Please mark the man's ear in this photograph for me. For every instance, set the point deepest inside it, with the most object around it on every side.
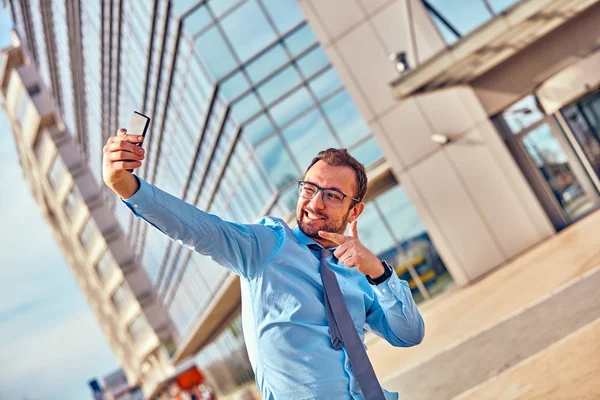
(356, 211)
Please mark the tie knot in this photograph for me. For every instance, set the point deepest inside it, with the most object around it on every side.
(322, 253)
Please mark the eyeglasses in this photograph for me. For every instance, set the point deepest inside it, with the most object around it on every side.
(331, 197)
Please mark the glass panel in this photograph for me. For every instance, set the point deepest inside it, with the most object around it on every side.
(196, 21)
(307, 136)
(88, 234)
(464, 15)
(139, 328)
(276, 162)
(500, 5)
(291, 106)
(234, 86)
(374, 235)
(548, 155)
(300, 40)
(279, 84)
(58, 172)
(284, 13)
(219, 7)
(214, 52)
(248, 30)
(584, 121)
(105, 266)
(313, 61)
(72, 202)
(266, 63)
(245, 108)
(122, 297)
(522, 114)
(325, 83)
(368, 152)
(258, 129)
(345, 118)
(418, 250)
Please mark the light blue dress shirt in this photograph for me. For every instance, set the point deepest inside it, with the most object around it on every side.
(296, 359)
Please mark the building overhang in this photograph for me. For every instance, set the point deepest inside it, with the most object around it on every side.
(489, 45)
(224, 307)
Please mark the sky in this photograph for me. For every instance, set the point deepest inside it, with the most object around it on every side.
(50, 342)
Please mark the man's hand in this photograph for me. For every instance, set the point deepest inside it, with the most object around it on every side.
(352, 253)
(121, 154)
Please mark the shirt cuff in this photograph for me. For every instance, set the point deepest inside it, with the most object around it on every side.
(140, 199)
(392, 289)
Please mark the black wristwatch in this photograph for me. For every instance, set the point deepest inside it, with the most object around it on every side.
(387, 273)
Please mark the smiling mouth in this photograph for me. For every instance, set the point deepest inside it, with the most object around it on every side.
(312, 216)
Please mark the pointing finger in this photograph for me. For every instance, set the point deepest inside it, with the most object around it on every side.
(354, 229)
(334, 237)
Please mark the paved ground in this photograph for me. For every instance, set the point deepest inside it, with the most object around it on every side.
(568, 370)
(489, 353)
(469, 313)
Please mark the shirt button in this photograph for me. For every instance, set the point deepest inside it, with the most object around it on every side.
(384, 290)
(135, 206)
(180, 242)
(393, 285)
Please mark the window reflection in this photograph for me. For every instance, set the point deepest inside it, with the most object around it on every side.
(258, 129)
(325, 84)
(291, 106)
(267, 63)
(307, 136)
(284, 13)
(279, 84)
(196, 21)
(214, 53)
(368, 152)
(345, 117)
(234, 86)
(245, 108)
(276, 162)
(300, 40)
(522, 114)
(312, 62)
(248, 30)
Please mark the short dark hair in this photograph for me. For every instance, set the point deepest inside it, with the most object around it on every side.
(341, 158)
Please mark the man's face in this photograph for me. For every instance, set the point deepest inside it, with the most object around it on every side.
(313, 215)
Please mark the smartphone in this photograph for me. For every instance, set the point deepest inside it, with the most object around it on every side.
(138, 126)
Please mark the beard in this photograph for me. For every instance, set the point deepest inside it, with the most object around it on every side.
(311, 228)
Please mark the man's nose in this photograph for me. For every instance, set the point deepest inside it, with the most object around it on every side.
(317, 202)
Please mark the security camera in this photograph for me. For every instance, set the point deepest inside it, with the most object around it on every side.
(399, 61)
(440, 139)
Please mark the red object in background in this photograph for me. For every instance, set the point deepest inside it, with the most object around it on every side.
(190, 378)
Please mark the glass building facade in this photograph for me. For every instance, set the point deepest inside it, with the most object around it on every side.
(242, 96)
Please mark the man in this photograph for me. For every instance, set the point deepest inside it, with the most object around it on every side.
(309, 304)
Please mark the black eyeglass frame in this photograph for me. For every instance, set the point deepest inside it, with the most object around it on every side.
(322, 190)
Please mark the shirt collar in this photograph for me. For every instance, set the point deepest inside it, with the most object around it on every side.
(305, 240)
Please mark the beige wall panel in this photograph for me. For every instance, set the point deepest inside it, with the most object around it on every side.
(391, 23)
(408, 131)
(337, 16)
(446, 112)
(314, 21)
(455, 212)
(371, 6)
(369, 62)
(350, 82)
(495, 199)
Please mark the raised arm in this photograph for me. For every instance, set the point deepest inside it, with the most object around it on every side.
(240, 248)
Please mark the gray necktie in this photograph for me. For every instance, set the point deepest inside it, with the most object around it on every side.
(343, 331)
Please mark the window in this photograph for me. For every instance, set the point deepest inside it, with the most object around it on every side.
(105, 266)
(248, 30)
(276, 162)
(57, 172)
(72, 202)
(88, 234)
(121, 298)
(345, 117)
(41, 145)
(22, 108)
(139, 328)
(215, 53)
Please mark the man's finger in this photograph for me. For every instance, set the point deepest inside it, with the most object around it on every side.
(122, 132)
(354, 229)
(334, 237)
(340, 251)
